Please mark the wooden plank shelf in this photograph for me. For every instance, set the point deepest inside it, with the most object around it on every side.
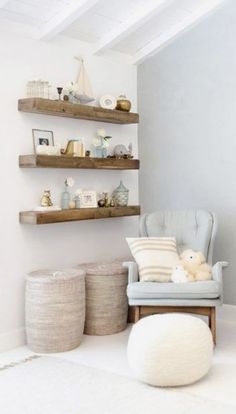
(69, 110)
(37, 217)
(55, 161)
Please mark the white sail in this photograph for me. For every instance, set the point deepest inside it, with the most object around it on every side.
(82, 89)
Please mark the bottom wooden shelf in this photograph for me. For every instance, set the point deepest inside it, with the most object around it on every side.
(37, 217)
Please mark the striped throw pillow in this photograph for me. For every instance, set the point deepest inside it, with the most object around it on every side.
(155, 256)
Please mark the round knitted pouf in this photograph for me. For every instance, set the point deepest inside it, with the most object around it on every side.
(170, 350)
(106, 298)
(55, 309)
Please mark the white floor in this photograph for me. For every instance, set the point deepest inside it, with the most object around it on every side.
(109, 353)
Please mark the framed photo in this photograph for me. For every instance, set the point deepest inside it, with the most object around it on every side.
(88, 199)
(42, 137)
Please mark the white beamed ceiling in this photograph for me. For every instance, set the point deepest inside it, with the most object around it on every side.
(136, 28)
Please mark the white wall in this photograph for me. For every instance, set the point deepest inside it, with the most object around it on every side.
(25, 248)
(187, 135)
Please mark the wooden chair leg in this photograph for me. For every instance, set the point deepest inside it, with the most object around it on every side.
(131, 314)
(136, 313)
(212, 323)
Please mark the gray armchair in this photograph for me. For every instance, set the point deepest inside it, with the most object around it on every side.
(195, 229)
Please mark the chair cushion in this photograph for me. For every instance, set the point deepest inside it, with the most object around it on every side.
(155, 256)
(209, 289)
(192, 228)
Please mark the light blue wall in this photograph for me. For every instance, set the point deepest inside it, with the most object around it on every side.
(187, 135)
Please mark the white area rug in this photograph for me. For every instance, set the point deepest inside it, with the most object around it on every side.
(48, 385)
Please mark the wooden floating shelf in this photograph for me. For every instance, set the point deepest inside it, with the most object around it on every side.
(37, 217)
(69, 110)
(53, 161)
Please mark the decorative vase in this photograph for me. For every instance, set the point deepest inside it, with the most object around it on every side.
(100, 151)
(121, 195)
(123, 104)
(65, 198)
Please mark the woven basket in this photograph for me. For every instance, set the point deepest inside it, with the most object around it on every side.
(55, 309)
(106, 298)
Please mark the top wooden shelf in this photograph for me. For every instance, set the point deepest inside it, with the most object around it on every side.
(69, 110)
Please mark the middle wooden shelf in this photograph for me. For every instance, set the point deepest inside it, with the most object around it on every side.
(37, 217)
(55, 161)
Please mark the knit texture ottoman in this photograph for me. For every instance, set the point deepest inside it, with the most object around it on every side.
(106, 298)
(170, 350)
(55, 309)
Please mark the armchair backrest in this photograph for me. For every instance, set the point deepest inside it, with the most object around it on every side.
(193, 229)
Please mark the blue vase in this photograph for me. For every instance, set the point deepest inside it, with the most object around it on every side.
(100, 151)
(65, 198)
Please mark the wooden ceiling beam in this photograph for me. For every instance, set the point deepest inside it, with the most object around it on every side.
(134, 23)
(64, 19)
(172, 32)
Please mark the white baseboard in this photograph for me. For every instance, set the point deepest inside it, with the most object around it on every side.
(226, 313)
(16, 338)
(12, 339)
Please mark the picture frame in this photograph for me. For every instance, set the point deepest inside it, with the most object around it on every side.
(42, 137)
(88, 199)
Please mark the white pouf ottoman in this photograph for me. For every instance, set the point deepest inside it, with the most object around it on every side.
(170, 350)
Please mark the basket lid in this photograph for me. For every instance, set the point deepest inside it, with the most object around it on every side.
(104, 268)
(55, 275)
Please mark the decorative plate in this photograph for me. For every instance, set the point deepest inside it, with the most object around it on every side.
(108, 102)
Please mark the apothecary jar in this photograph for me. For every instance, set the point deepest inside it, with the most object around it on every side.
(121, 195)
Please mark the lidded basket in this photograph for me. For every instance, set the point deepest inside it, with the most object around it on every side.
(106, 298)
(55, 309)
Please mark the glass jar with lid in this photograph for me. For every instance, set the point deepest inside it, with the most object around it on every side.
(121, 195)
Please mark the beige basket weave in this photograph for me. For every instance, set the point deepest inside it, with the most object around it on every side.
(106, 298)
(55, 309)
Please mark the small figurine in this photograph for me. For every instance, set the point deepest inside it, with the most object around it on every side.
(46, 199)
(120, 151)
(87, 153)
(106, 199)
(101, 202)
(112, 202)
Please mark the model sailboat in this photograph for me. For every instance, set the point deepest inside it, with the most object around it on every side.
(81, 90)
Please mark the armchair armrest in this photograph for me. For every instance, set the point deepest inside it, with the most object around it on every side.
(217, 271)
(132, 271)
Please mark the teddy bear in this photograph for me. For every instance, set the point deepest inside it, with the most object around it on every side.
(46, 199)
(179, 275)
(195, 265)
